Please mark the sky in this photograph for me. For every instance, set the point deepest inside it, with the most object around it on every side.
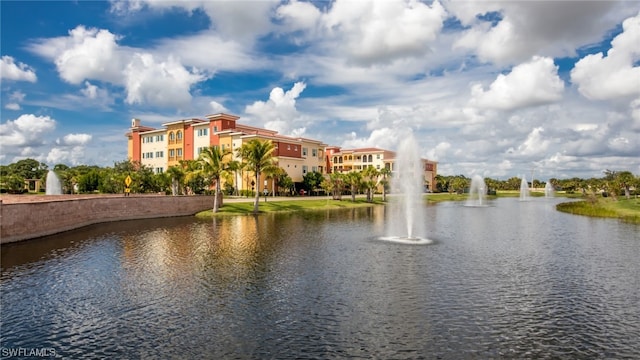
(501, 89)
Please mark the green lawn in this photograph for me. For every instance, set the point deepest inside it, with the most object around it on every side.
(310, 204)
(627, 210)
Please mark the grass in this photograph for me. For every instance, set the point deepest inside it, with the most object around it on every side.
(246, 208)
(627, 210)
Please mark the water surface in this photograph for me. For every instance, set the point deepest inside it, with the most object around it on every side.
(512, 280)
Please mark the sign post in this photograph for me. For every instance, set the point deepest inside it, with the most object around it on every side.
(127, 183)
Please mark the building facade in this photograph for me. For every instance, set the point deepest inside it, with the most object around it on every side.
(185, 139)
(347, 160)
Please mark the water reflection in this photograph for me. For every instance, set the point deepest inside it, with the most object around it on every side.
(314, 285)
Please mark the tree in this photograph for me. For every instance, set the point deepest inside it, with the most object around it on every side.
(284, 181)
(176, 173)
(621, 180)
(370, 181)
(458, 183)
(312, 181)
(194, 181)
(354, 181)
(29, 169)
(258, 156)
(214, 167)
(235, 166)
(385, 173)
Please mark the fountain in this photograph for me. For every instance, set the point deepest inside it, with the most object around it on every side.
(407, 209)
(548, 190)
(477, 192)
(524, 189)
(53, 187)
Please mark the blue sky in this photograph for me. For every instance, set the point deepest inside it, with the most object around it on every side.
(495, 88)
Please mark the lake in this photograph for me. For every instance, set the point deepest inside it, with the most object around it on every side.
(511, 280)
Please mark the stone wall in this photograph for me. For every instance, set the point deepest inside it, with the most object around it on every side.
(31, 219)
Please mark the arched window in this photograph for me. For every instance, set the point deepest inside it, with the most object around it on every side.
(179, 135)
(364, 158)
(335, 159)
(370, 158)
(172, 136)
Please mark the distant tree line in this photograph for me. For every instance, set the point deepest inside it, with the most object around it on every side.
(613, 183)
(215, 172)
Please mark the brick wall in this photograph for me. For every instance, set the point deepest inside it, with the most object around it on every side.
(26, 220)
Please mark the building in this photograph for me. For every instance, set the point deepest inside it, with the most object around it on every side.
(347, 160)
(185, 139)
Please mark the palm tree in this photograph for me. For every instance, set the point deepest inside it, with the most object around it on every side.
(213, 166)
(235, 166)
(370, 175)
(354, 180)
(258, 156)
(177, 175)
(385, 173)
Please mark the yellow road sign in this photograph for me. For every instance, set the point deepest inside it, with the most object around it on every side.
(127, 190)
(127, 181)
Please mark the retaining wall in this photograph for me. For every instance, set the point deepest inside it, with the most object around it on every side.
(35, 218)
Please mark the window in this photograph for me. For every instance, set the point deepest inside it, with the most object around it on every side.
(159, 154)
(179, 152)
(335, 159)
(215, 128)
(304, 169)
(203, 132)
(295, 148)
(172, 137)
(179, 135)
(314, 168)
(160, 138)
(378, 167)
(304, 151)
(314, 152)
(364, 158)
(288, 147)
(378, 156)
(159, 170)
(370, 158)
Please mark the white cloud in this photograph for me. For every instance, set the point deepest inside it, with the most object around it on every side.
(604, 78)
(372, 32)
(299, 15)
(534, 144)
(90, 91)
(216, 107)
(279, 112)
(439, 150)
(521, 29)
(232, 19)
(11, 70)
(93, 54)
(15, 99)
(533, 83)
(366, 33)
(65, 155)
(25, 131)
(74, 139)
(164, 84)
(87, 53)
